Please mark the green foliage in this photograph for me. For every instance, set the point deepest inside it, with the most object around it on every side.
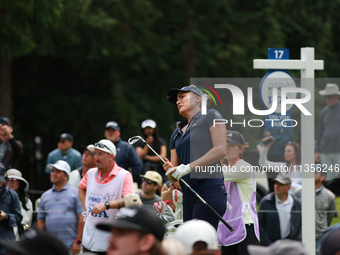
(80, 63)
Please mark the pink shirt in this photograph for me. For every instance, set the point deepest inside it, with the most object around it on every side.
(127, 185)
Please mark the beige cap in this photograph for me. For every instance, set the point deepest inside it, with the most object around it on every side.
(153, 176)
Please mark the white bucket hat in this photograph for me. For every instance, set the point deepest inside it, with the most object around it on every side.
(330, 89)
(16, 174)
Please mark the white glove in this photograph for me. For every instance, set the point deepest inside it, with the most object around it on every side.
(181, 170)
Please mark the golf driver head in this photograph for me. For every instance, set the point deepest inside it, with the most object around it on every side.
(134, 139)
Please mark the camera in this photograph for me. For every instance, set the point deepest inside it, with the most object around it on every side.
(269, 140)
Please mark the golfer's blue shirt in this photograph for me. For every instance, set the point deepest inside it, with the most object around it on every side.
(194, 143)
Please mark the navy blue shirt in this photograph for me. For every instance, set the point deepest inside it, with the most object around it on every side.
(195, 143)
(9, 203)
(127, 157)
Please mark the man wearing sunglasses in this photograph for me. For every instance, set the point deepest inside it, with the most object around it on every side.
(151, 183)
(101, 192)
(64, 152)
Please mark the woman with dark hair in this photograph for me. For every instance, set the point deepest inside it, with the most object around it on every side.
(196, 147)
(291, 166)
(17, 183)
(149, 159)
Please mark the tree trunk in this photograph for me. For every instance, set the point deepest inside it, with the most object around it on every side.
(5, 86)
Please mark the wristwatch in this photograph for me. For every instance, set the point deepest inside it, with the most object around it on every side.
(77, 241)
(107, 204)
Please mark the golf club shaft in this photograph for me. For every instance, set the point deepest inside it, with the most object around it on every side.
(193, 191)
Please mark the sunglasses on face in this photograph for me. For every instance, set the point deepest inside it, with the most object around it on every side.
(149, 181)
(61, 141)
(102, 146)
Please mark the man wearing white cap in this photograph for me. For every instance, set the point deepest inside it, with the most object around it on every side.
(328, 139)
(101, 192)
(60, 209)
(198, 237)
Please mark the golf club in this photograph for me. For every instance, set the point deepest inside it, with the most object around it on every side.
(135, 139)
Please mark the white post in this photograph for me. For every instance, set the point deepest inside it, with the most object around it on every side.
(307, 155)
(307, 65)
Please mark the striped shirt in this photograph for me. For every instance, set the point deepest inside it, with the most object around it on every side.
(60, 210)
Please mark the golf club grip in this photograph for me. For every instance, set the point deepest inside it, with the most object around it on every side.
(221, 219)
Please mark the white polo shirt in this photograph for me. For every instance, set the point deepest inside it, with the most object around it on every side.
(284, 210)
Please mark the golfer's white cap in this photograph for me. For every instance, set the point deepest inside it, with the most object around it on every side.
(104, 145)
(193, 231)
(60, 165)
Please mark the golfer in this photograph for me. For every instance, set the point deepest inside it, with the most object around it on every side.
(194, 145)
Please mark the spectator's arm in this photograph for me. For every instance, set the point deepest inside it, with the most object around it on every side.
(75, 249)
(135, 163)
(41, 225)
(264, 238)
(330, 215)
(82, 194)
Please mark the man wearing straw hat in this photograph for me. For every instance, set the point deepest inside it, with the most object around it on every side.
(328, 139)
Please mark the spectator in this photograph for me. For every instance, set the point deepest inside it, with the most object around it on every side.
(241, 200)
(101, 192)
(10, 148)
(283, 219)
(126, 155)
(329, 242)
(151, 183)
(150, 160)
(60, 210)
(64, 152)
(88, 162)
(291, 166)
(327, 139)
(324, 206)
(16, 182)
(135, 231)
(10, 211)
(281, 136)
(197, 144)
(198, 237)
(280, 247)
(36, 242)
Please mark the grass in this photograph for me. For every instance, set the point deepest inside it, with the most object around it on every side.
(337, 219)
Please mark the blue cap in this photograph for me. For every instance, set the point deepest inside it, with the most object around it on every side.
(235, 137)
(2, 172)
(172, 93)
(66, 136)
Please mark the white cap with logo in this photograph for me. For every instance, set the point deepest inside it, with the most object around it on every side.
(103, 145)
(60, 165)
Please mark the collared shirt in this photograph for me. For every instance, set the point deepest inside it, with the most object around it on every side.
(60, 210)
(72, 157)
(194, 143)
(127, 185)
(284, 210)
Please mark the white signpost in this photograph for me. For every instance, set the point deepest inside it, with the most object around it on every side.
(307, 65)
